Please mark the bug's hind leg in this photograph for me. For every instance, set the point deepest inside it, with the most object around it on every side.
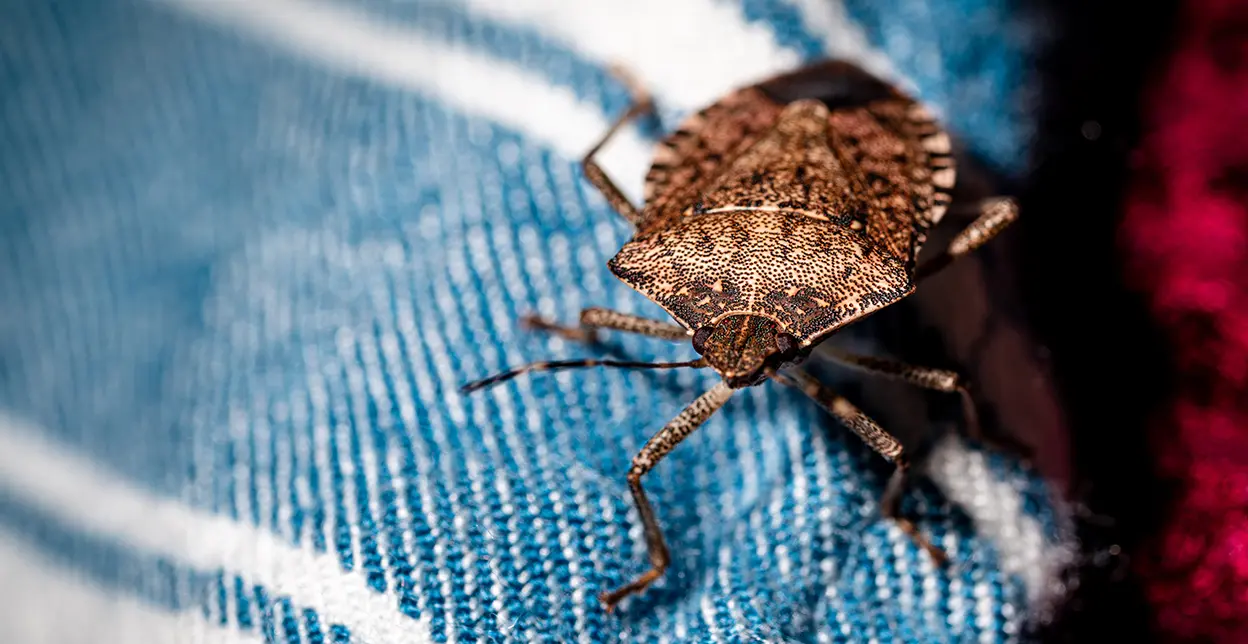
(937, 380)
(642, 104)
(878, 439)
(996, 214)
(655, 449)
(593, 319)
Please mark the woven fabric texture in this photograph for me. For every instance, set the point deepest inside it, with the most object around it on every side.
(249, 251)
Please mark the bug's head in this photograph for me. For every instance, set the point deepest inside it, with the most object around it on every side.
(742, 347)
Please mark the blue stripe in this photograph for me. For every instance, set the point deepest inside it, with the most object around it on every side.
(242, 604)
(341, 527)
(312, 626)
(223, 600)
(400, 558)
(139, 267)
(425, 574)
(320, 515)
(290, 624)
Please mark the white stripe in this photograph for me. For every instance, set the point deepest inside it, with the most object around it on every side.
(687, 53)
(996, 508)
(845, 39)
(41, 602)
(706, 606)
(490, 88)
(94, 500)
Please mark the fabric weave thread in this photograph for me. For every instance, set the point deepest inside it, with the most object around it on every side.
(249, 254)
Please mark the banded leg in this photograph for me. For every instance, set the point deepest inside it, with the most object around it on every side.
(997, 213)
(925, 377)
(642, 103)
(937, 380)
(878, 439)
(593, 319)
(656, 448)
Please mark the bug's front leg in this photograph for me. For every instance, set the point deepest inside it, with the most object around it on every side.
(660, 445)
(642, 104)
(878, 439)
(996, 214)
(593, 319)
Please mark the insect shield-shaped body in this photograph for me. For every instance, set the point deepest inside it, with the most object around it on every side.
(773, 218)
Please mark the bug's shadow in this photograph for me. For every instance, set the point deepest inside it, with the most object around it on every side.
(971, 318)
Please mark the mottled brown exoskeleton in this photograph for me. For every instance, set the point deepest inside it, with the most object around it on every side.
(773, 218)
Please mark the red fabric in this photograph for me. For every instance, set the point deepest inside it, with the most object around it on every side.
(1185, 236)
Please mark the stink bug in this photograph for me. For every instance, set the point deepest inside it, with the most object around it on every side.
(773, 218)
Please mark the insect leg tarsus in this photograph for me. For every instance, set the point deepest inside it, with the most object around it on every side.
(593, 319)
(641, 104)
(942, 380)
(996, 214)
(877, 438)
(890, 506)
(660, 445)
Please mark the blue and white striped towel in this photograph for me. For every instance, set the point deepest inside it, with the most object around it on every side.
(249, 251)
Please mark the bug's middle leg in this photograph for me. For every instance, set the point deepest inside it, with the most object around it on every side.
(656, 448)
(642, 104)
(593, 319)
(942, 380)
(926, 377)
(878, 439)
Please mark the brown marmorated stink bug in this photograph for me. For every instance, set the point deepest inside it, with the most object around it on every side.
(773, 218)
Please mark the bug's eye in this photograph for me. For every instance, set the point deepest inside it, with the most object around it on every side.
(785, 342)
(700, 337)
